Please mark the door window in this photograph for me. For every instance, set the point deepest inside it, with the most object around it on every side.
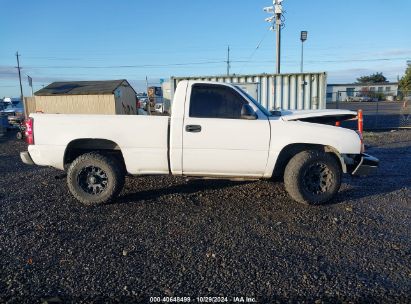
(215, 101)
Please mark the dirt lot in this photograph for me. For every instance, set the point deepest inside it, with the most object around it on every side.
(167, 236)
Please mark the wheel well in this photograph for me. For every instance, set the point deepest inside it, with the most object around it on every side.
(82, 146)
(290, 151)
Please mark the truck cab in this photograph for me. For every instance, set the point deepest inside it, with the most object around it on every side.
(222, 132)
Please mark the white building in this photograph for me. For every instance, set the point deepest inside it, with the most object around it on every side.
(348, 92)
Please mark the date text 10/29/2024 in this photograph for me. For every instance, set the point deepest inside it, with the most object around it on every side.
(203, 300)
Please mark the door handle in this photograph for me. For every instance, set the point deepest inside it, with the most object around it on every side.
(193, 128)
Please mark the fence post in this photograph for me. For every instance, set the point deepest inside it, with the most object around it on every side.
(405, 115)
(376, 114)
(360, 121)
(338, 99)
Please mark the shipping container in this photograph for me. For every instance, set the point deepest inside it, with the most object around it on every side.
(303, 91)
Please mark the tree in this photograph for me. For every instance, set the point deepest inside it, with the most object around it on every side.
(374, 78)
(405, 83)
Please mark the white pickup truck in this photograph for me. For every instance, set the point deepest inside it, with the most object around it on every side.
(215, 131)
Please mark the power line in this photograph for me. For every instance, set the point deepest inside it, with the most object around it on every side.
(128, 66)
(256, 49)
(358, 60)
(203, 63)
(330, 61)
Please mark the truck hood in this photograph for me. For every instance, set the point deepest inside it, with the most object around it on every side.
(290, 115)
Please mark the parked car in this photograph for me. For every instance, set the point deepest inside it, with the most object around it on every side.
(13, 101)
(141, 105)
(15, 113)
(358, 98)
(7, 100)
(21, 133)
(215, 130)
(142, 101)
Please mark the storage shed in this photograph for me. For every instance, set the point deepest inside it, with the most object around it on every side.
(109, 97)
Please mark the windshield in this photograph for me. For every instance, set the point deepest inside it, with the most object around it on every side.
(15, 107)
(257, 104)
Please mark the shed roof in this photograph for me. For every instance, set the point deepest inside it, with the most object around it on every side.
(82, 87)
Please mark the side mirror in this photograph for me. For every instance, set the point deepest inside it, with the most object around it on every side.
(247, 112)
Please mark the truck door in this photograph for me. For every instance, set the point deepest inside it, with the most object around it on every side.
(217, 141)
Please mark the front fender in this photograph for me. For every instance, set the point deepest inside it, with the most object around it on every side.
(285, 133)
(345, 141)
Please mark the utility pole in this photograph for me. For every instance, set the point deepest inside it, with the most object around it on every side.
(19, 68)
(228, 61)
(304, 36)
(148, 98)
(277, 11)
(302, 58)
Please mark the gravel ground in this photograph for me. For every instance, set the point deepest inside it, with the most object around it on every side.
(166, 236)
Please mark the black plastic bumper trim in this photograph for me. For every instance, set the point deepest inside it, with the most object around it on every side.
(367, 165)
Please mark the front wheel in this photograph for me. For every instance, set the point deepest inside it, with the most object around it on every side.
(95, 179)
(313, 177)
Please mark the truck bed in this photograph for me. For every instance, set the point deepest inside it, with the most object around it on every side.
(142, 139)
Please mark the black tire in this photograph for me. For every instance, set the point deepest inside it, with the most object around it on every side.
(312, 177)
(95, 179)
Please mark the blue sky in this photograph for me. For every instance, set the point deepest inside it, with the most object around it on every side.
(93, 40)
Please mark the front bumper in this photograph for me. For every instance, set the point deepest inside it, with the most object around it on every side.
(366, 165)
(26, 158)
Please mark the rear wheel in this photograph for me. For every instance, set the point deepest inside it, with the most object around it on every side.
(95, 179)
(312, 177)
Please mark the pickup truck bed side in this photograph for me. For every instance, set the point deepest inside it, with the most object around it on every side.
(55, 132)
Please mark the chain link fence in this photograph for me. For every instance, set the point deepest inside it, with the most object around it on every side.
(365, 95)
(379, 115)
